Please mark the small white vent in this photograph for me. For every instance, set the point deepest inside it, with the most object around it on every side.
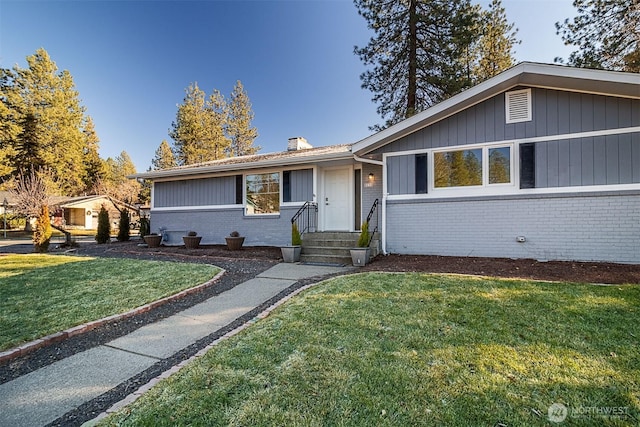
(518, 106)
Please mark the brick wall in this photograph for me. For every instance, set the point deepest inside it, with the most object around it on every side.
(215, 225)
(594, 227)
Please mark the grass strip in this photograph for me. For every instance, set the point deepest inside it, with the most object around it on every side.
(44, 294)
(416, 349)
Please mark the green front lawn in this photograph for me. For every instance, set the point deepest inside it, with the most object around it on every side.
(44, 294)
(417, 349)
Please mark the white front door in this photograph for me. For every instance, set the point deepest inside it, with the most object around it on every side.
(337, 200)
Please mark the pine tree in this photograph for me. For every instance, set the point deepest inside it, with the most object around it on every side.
(51, 117)
(494, 49)
(426, 51)
(417, 54)
(607, 33)
(103, 234)
(164, 158)
(197, 132)
(124, 226)
(9, 128)
(238, 128)
(116, 184)
(42, 232)
(93, 164)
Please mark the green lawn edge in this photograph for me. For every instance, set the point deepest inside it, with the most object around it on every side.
(417, 349)
(45, 294)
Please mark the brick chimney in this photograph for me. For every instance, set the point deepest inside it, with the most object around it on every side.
(298, 143)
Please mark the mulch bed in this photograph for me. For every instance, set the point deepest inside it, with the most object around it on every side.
(569, 271)
(566, 271)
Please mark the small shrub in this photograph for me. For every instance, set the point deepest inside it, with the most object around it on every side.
(192, 234)
(124, 226)
(104, 227)
(296, 239)
(145, 227)
(234, 234)
(42, 232)
(363, 241)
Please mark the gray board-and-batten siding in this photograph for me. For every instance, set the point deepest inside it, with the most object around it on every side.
(596, 160)
(591, 226)
(225, 190)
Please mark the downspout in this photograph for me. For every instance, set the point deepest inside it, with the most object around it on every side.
(383, 240)
(383, 227)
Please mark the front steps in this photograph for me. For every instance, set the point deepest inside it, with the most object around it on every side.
(332, 247)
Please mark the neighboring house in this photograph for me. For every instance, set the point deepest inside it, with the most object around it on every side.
(6, 202)
(78, 212)
(82, 212)
(541, 161)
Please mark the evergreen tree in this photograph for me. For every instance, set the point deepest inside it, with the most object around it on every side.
(145, 227)
(144, 195)
(164, 158)
(494, 49)
(426, 51)
(116, 184)
(198, 129)
(607, 33)
(42, 232)
(418, 53)
(103, 234)
(94, 165)
(124, 226)
(9, 128)
(44, 105)
(238, 128)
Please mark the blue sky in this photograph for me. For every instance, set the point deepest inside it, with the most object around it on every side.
(132, 60)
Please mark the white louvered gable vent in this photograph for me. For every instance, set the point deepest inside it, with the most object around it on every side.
(518, 106)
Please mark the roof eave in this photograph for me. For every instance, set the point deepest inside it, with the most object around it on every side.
(202, 170)
(529, 74)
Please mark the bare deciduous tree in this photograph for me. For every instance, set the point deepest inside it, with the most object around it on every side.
(30, 192)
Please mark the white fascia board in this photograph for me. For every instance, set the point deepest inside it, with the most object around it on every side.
(240, 167)
(420, 120)
(526, 73)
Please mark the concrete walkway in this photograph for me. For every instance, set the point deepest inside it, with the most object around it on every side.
(42, 396)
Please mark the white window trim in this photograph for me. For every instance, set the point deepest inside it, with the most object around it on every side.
(503, 189)
(196, 208)
(244, 193)
(479, 190)
(281, 203)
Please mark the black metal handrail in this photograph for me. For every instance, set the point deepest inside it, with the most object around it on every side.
(374, 209)
(306, 218)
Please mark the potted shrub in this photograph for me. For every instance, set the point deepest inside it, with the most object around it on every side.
(153, 240)
(292, 253)
(234, 241)
(192, 240)
(360, 255)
